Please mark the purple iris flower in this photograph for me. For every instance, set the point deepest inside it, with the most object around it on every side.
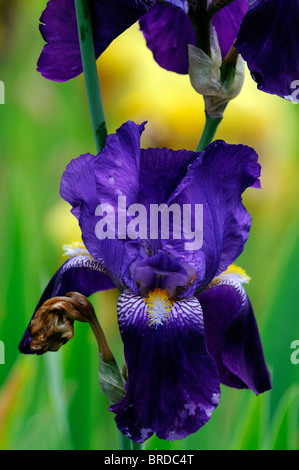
(185, 320)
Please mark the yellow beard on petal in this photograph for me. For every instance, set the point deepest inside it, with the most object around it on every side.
(158, 307)
(232, 272)
(75, 249)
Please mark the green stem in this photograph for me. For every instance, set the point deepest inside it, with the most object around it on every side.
(124, 442)
(90, 73)
(202, 25)
(208, 132)
(138, 446)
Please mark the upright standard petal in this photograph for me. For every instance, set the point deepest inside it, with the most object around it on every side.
(60, 59)
(216, 180)
(91, 181)
(161, 171)
(173, 384)
(268, 41)
(78, 274)
(117, 167)
(232, 336)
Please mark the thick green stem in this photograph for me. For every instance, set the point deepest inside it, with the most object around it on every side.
(208, 132)
(127, 444)
(201, 24)
(90, 73)
(138, 446)
(124, 442)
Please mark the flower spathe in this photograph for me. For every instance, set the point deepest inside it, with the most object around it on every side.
(185, 319)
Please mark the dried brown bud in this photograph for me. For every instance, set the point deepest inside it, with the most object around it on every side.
(50, 328)
(52, 325)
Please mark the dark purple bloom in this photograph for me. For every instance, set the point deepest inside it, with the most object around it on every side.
(184, 317)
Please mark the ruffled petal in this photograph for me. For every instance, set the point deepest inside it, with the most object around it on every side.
(78, 187)
(233, 338)
(268, 41)
(93, 180)
(168, 31)
(117, 166)
(173, 384)
(215, 181)
(78, 274)
(60, 59)
(161, 170)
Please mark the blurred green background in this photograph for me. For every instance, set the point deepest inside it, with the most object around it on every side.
(54, 401)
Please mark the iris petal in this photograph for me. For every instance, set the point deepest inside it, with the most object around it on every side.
(118, 166)
(93, 180)
(173, 384)
(168, 32)
(227, 23)
(161, 170)
(217, 179)
(233, 338)
(268, 41)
